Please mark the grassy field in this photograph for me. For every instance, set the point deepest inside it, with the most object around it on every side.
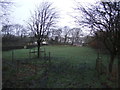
(71, 67)
(60, 53)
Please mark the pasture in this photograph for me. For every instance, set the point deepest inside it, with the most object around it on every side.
(71, 67)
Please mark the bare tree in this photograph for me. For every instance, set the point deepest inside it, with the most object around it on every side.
(14, 29)
(7, 30)
(5, 6)
(41, 21)
(104, 18)
(57, 33)
(66, 31)
(20, 30)
(75, 34)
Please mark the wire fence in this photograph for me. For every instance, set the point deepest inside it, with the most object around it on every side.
(28, 66)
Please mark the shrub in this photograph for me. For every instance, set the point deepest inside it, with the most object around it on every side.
(6, 48)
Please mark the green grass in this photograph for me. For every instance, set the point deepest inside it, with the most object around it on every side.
(71, 66)
(75, 55)
(60, 53)
(17, 54)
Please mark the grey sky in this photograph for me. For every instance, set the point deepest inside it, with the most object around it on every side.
(23, 7)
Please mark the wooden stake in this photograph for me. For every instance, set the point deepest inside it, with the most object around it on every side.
(12, 55)
(17, 66)
(44, 55)
(29, 53)
(49, 59)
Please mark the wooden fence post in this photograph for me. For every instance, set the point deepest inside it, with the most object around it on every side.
(34, 51)
(35, 64)
(17, 66)
(99, 65)
(49, 60)
(45, 56)
(44, 49)
(29, 53)
(12, 55)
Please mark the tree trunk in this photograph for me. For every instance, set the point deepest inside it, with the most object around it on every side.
(72, 43)
(38, 51)
(38, 42)
(118, 68)
(65, 39)
(112, 57)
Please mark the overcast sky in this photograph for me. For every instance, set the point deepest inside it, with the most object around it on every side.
(21, 12)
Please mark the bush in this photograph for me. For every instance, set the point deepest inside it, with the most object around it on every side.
(6, 48)
(30, 46)
(11, 47)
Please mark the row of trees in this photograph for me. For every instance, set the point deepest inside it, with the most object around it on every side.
(66, 35)
(63, 35)
(14, 29)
